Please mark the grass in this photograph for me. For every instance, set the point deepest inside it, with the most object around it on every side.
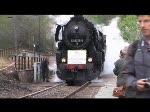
(3, 62)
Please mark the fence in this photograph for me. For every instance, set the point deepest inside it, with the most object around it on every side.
(25, 63)
(6, 52)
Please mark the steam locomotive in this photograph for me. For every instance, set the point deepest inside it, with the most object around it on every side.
(81, 51)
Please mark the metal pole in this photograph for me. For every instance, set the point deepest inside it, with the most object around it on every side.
(39, 35)
(33, 46)
(15, 35)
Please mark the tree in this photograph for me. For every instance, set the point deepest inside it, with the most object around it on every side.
(5, 33)
(26, 30)
(129, 28)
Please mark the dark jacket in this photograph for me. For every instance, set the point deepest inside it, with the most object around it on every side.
(44, 65)
(136, 67)
(117, 70)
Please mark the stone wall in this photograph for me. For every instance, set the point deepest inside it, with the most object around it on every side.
(26, 76)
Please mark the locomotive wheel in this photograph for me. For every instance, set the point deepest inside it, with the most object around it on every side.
(70, 82)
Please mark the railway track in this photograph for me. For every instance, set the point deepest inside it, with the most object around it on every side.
(58, 91)
(38, 92)
(77, 90)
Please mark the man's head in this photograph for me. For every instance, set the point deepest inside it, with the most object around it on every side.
(45, 58)
(123, 52)
(144, 23)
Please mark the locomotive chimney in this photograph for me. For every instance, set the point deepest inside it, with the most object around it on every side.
(78, 16)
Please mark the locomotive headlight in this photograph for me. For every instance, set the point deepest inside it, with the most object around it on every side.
(63, 60)
(90, 59)
(76, 27)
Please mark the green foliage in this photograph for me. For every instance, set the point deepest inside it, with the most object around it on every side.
(129, 28)
(100, 19)
(5, 34)
(25, 30)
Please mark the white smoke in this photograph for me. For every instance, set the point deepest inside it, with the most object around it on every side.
(114, 44)
(59, 20)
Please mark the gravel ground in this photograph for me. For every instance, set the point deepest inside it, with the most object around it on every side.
(59, 92)
(12, 88)
(88, 92)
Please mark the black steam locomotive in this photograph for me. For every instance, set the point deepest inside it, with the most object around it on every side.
(81, 51)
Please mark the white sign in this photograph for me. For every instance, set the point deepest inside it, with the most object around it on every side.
(76, 57)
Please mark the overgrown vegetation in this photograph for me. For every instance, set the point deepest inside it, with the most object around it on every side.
(129, 28)
(23, 31)
(3, 62)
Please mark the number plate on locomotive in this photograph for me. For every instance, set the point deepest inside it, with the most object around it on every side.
(76, 57)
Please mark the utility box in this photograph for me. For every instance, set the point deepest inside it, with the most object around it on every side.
(37, 72)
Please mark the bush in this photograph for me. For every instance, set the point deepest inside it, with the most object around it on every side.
(129, 28)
